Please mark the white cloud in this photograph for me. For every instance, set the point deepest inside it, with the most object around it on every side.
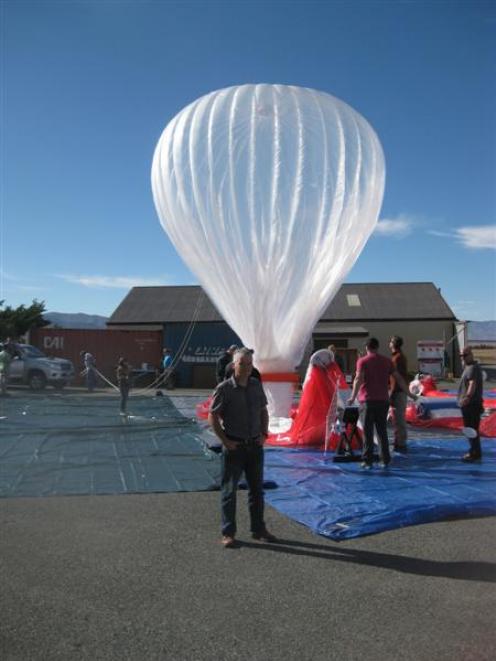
(480, 236)
(396, 228)
(443, 234)
(112, 282)
(476, 236)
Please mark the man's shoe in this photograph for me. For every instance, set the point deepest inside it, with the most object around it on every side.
(384, 464)
(402, 449)
(227, 541)
(366, 466)
(265, 536)
(469, 458)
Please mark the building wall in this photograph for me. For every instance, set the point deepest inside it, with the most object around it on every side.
(411, 332)
(200, 346)
(107, 346)
(202, 343)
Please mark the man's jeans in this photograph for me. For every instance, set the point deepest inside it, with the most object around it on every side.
(124, 390)
(471, 418)
(90, 379)
(247, 458)
(398, 403)
(375, 415)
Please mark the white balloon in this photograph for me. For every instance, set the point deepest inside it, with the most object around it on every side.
(269, 194)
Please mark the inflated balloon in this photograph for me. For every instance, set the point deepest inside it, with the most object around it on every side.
(269, 193)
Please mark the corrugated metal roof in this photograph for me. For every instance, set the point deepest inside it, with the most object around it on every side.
(392, 300)
(353, 302)
(149, 305)
(339, 329)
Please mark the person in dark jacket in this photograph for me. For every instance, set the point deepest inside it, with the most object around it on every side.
(397, 397)
(123, 374)
(223, 362)
(470, 401)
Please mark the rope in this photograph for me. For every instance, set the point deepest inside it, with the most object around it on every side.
(180, 352)
(104, 378)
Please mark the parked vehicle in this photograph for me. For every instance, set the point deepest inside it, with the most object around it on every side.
(33, 368)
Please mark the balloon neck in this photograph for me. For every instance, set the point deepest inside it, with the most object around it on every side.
(279, 388)
(281, 377)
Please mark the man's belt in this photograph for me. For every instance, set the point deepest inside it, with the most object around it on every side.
(239, 439)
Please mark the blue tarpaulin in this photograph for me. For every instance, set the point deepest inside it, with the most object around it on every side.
(62, 444)
(342, 501)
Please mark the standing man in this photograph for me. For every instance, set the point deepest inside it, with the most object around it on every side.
(239, 417)
(372, 385)
(123, 380)
(89, 363)
(398, 397)
(223, 361)
(166, 369)
(470, 401)
(5, 359)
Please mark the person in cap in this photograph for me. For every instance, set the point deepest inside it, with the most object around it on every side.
(470, 397)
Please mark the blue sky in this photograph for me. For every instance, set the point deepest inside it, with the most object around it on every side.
(88, 87)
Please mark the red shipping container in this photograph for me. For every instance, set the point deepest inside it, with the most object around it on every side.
(140, 348)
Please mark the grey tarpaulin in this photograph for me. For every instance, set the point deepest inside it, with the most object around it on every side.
(62, 444)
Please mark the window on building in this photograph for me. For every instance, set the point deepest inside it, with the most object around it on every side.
(353, 300)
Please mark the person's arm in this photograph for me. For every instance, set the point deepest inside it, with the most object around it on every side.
(214, 422)
(264, 423)
(357, 382)
(469, 394)
(392, 380)
(403, 384)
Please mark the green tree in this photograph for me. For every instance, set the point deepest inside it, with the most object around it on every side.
(15, 322)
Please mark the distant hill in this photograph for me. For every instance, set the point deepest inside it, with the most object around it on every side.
(75, 320)
(481, 330)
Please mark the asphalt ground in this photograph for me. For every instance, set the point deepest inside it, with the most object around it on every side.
(145, 577)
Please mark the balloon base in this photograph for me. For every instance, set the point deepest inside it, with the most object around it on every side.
(279, 425)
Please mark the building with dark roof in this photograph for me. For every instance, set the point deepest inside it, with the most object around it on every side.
(193, 328)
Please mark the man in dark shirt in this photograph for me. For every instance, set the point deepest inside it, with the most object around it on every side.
(470, 401)
(397, 397)
(372, 385)
(222, 362)
(239, 417)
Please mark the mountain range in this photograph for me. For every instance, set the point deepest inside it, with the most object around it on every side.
(75, 320)
(482, 330)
